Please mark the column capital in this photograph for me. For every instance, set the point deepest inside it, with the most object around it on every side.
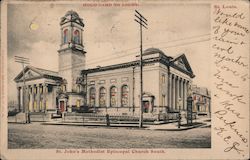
(175, 77)
(45, 84)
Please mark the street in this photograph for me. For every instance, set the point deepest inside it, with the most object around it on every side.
(35, 136)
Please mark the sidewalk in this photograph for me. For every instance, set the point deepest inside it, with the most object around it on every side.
(201, 122)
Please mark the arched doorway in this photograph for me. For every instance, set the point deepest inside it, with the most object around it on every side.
(148, 102)
(62, 103)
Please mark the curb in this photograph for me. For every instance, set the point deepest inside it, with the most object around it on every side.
(94, 125)
(179, 129)
(125, 126)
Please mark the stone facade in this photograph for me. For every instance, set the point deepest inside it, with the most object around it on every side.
(165, 85)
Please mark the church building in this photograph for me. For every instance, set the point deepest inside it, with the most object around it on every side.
(113, 89)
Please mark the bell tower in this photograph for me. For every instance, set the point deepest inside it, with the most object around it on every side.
(71, 53)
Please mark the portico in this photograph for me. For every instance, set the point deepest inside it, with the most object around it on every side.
(38, 93)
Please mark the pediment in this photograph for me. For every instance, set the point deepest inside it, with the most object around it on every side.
(27, 74)
(182, 63)
(31, 74)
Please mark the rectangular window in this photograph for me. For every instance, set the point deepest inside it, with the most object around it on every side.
(92, 82)
(102, 82)
(113, 81)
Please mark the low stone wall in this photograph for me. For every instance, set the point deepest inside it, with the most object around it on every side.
(125, 110)
(83, 117)
(40, 117)
(33, 117)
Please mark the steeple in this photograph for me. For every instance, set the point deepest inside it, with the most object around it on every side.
(71, 54)
(71, 32)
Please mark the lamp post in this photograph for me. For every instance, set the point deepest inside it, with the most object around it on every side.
(24, 61)
(142, 21)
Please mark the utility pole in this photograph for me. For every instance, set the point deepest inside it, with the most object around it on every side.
(142, 21)
(23, 61)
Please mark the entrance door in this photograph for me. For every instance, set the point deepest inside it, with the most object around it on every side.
(61, 106)
(146, 106)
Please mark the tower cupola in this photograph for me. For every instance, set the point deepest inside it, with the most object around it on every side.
(71, 32)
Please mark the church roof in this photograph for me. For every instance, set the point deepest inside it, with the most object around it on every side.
(152, 50)
(47, 72)
(32, 72)
(155, 50)
(182, 64)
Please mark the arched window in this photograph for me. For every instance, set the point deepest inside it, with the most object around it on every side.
(76, 37)
(92, 97)
(102, 97)
(113, 96)
(65, 36)
(124, 96)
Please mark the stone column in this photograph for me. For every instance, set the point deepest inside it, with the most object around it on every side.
(23, 99)
(19, 98)
(181, 93)
(30, 98)
(34, 97)
(39, 98)
(169, 89)
(177, 93)
(45, 91)
(184, 95)
(173, 92)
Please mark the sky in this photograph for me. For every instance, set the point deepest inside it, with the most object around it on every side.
(110, 35)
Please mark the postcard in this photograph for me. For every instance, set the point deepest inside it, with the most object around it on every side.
(124, 79)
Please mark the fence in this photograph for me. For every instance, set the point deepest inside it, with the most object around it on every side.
(118, 119)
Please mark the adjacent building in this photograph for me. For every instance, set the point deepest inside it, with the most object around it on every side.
(201, 100)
